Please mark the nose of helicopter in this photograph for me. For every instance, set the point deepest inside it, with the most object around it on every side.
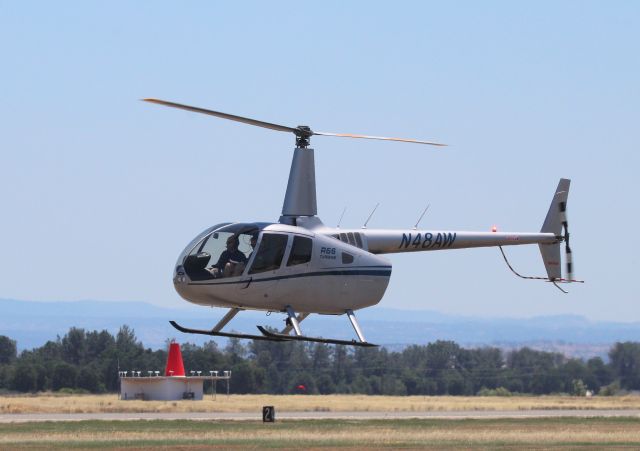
(179, 276)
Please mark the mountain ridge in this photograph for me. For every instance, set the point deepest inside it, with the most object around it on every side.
(32, 323)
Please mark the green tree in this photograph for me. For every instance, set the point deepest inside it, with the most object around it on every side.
(64, 376)
(25, 377)
(342, 369)
(74, 346)
(324, 384)
(448, 365)
(203, 358)
(536, 371)
(126, 355)
(235, 351)
(320, 358)
(98, 343)
(8, 350)
(89, 379)
(600, 374)
(243, 378)
(572, 370)
(486, 368)
(625, 362)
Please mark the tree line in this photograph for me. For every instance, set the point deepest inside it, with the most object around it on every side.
(89, 361)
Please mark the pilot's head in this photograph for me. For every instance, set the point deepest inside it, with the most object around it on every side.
(253, 240)
(233, 242)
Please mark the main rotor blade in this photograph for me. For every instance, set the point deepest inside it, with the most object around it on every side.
(298, 131)
(382, 138)
(231, 117)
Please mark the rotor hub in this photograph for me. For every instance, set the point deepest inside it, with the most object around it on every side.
(303, 135)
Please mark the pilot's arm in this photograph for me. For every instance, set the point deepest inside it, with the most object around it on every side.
(217, 269)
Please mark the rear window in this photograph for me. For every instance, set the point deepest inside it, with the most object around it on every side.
(359, 240)
(300, 251)
(347, 259)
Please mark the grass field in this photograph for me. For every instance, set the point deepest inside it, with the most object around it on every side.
(543, 433)
(50, 403)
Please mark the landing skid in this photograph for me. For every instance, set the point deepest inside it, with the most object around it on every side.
(284, 337)
(213, 333)
(293, 324)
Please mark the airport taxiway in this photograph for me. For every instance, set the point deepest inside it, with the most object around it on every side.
(358, 415)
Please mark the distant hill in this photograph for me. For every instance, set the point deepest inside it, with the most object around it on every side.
(32, 323)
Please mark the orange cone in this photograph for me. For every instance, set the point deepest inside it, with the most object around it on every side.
(175, 367)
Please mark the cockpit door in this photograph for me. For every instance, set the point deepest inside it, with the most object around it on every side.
(260, 278)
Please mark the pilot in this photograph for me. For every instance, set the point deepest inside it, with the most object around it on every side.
(252, 242)
(231, 260)
(240, 267)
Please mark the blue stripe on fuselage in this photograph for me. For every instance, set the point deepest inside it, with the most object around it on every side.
(384, 271)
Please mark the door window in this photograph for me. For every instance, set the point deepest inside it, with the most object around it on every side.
(270, 253)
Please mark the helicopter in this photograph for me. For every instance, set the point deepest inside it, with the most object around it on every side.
(299, 266)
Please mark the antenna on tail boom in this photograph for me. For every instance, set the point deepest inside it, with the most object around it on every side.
(364, 226)
(415, 227)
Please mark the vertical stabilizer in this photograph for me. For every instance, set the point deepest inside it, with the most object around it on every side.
(553, 223)
(556, 213)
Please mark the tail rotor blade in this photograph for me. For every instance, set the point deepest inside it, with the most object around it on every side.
(381, 138)
(569, 259)
(567, 247)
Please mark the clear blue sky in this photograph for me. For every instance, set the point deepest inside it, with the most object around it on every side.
(99, 192)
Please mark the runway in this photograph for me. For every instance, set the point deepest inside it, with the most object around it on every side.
(257, 416)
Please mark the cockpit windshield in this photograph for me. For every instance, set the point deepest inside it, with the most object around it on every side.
(224, 252)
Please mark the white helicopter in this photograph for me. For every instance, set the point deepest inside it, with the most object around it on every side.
(299, 266)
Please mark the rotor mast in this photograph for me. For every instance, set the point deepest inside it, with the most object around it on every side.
(300, 197)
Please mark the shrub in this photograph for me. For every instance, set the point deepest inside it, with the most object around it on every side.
(73, 391)
(500, 391)
(610, 390)
(578, 388)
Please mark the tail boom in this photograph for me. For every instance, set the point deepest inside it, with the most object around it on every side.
(386, 241)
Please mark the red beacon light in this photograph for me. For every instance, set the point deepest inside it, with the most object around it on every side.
(494, 229)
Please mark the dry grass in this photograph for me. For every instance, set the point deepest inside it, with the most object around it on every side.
(50, 403)
(591, 433)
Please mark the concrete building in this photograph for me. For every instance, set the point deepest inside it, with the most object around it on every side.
(174, 385)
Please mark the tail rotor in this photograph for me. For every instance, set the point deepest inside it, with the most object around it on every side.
(557, 224)
(567, 247)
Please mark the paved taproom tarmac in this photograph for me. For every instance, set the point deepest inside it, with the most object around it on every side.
(251, 416)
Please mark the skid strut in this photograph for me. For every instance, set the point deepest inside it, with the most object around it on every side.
(293, 321)
(355, 325)
(225, 319)
(289, 326)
